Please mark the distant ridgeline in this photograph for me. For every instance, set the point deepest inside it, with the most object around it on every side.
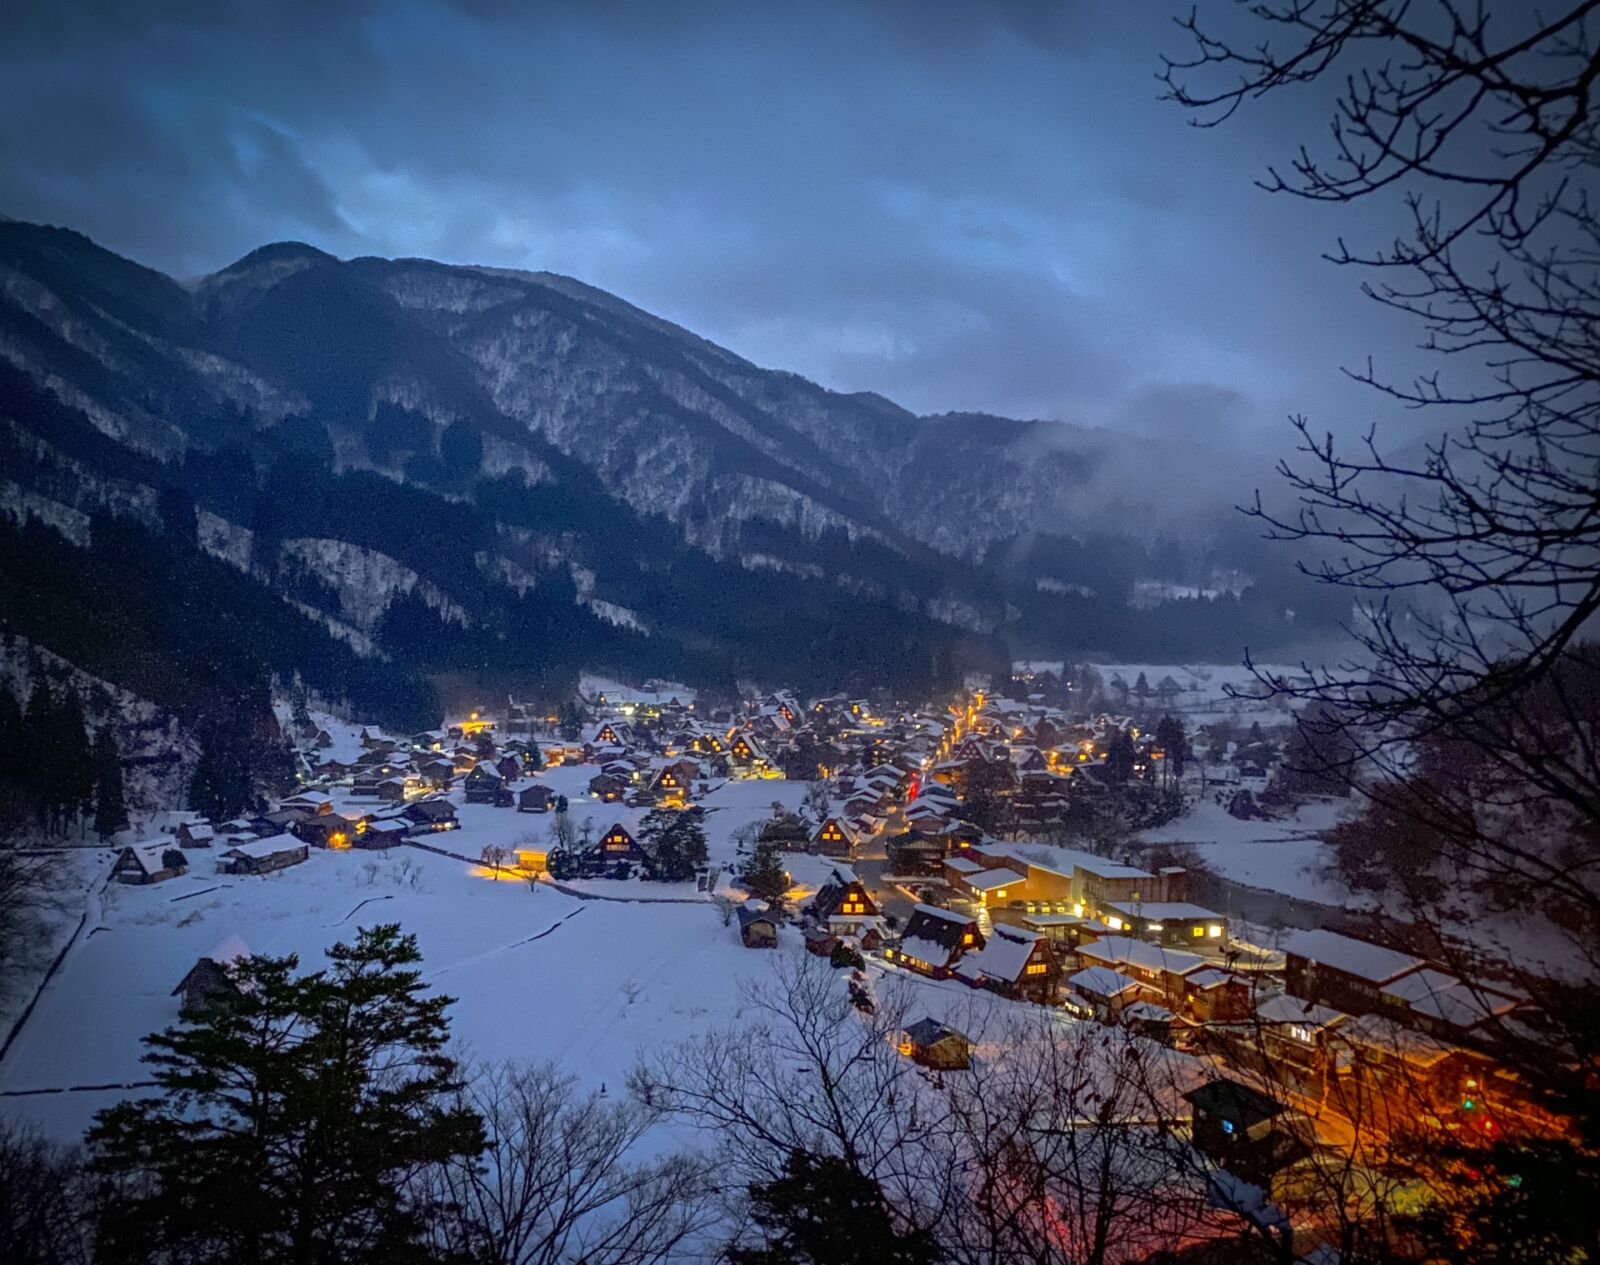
(391, 477)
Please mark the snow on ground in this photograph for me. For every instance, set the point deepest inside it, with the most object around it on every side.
(734, 805)
(537, 974)
(1204, 698)
(1285, 856)
(651, 694)
(71, 874)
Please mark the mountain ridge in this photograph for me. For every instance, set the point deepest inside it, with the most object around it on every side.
(525, 443)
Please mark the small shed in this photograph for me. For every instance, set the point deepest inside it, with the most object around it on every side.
(149, 863)
(758, 929)
(934, 1045)
(210, 983)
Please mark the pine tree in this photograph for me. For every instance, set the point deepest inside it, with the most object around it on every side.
(764, 875)
(292, 1120)
(1174, 744)
(39, 729)
(824, 1211)
(110, 801)
(73, 770)
(221, 786)
(1141, 687)
(674, 844)
(299, 713)
(1120, 756)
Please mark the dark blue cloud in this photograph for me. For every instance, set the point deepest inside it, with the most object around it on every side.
(970, 206)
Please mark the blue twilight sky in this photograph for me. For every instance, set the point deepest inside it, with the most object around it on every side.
(975, 206)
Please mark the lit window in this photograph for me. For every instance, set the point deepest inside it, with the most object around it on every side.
(967, 938)
(1038, 968)
(1214, 931)
(1114, 923)
(1197, 931)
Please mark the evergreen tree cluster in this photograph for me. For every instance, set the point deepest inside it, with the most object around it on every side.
(295, 1118)
(52, 774)
(674, 842)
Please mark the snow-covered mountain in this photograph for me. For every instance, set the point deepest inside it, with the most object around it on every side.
(361, 431)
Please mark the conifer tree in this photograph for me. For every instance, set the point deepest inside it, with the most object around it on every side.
(293, 1120)
(221, 786)
(72, 773)
(824, 1211)
(110, 799)
(764, 875)
(39, 728)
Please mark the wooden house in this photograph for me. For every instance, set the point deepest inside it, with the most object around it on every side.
(195, 834)
(1163, 971)
(262, 856)
(537, 798)
(483, 785)
(1014, 963)
(1340, 971)
(834, 838)
(1297, 1037)
(155, 862)
(745, 751)
(616, 845)
(430, 815)
(934, 1045)
(1217, 996)
(209, 983)
(1237, 1128)
(328, 830)
(310, 801)
(934, 941)
(610, 734)
(436, 773)
(1175, 923)
(383, 833)
(673, 783)
(608, 788)
(758, 929)
(1102, 993)
(843, 905)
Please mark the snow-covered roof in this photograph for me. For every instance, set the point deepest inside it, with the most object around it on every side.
(1148, 1011)
(949, 915)
(229, 950)
(150, 855)
(962, 865)
(992, 880)
(1463, 1006)
(924, 950)
(1359, 958)
(1123, 951)
(1102, 981)
(1286, 1009)
(266, 847)
(1419, 984)
(1003, 955)
(1163, 910)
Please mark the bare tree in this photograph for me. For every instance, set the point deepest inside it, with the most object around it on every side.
(44, 1201)
(494, 856)
(807, 1071)
(561, 1181)
(1472, 691)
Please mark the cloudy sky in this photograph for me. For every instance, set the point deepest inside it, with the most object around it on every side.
(976, 206)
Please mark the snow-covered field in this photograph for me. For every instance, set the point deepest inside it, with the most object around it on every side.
(1285, 856)
(1208, 692)
(537, 974)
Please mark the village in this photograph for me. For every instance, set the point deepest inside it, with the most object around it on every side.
(906, 847)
